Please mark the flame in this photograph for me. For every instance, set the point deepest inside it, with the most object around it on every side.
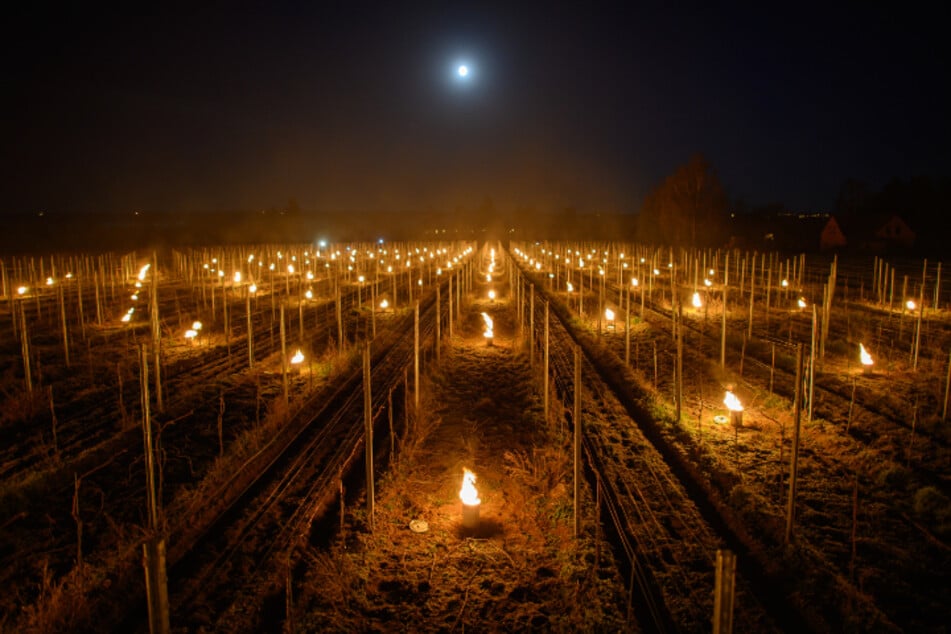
(21, 290)
(196, 325)
(865, 356)
(237, 277)
(298, 357)
(732, 403)
(910, 304)
(384, 304)
(571, 287)
(634, 281)
(468, 493)
(784, 283)
(253, 288)
(609, 314)
(802, 302)
(191, 334)
(696, 300)
(488, 325)
(143, 271)
(491, 294)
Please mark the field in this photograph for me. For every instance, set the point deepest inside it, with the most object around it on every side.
(209, 411)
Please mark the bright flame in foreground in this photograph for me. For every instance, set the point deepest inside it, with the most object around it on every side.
(488, 325)
(865, 356)
(468, 493)
(732, 403)
(696, 300)
(143, 271)
(298, 357)
(910, 304)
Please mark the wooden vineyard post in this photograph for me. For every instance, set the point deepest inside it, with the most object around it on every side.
(627, 329)
(416, 359)
(724, 592)
(794, 459)
(438, 319)
(723, 325)
(921, 312)
(250, 333)
(749, 332)
(546, 377)
(812, 360)
(339, 308)
(25, 349)
(373, 307)
(937, 287)
(679, 382)
(62, 315)
(772, 367)
(389, 415)
(156, 335)
(368, 427)
(576, 421)
(947, 388)
(284, 360)
(531, 325)
(153, 550)
(450, 306)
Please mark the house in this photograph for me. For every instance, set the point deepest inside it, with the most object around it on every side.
(831, 237)
(896, 233)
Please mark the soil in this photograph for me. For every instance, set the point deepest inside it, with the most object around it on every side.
(521, 568)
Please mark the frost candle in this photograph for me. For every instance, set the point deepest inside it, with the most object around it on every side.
(470, 501)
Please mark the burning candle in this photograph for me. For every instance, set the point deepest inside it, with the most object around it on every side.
(488, 334)
(696, 300)
(865, 357)
(470, 500)
(736, 408)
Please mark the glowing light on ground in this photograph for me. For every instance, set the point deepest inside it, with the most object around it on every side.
(865, 357)
(696, 300)
(298, 357)
(732, 402)
(488, 334)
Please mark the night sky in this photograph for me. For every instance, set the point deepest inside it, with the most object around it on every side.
(356, 106)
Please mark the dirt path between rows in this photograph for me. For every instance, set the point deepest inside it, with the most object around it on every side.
(522, 568)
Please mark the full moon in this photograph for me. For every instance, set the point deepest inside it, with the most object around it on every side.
(463, 70)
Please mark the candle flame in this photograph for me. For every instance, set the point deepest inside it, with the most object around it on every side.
(865, 356)
(732, 403)
(488, 325)
(609, 314)
(468, 493)
(696, 300)
(298, 357)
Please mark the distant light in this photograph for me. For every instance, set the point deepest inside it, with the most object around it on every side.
(253, 288)
(696, 300)
(309, 294)
(21, 290)
(384, 304)
(910, 304)
(463, 70)
(298, 357)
